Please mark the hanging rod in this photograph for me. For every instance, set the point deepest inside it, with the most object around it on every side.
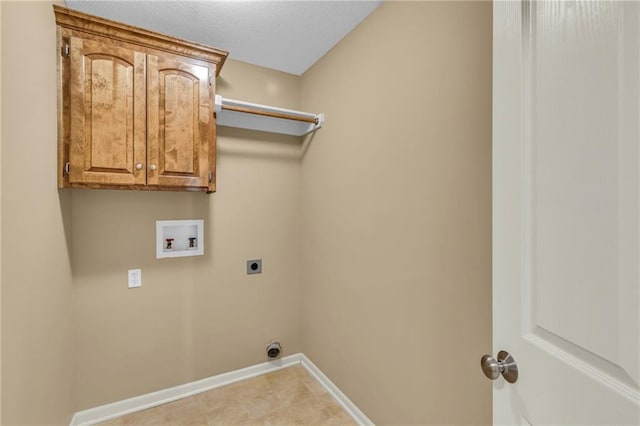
(313, 120)
(247, 115)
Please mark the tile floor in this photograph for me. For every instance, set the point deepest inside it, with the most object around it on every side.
(290, 396)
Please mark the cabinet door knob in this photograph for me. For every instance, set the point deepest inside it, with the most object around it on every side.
(153, 167)
(138, 166)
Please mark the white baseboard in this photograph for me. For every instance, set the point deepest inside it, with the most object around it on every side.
(142, 402)
(346, 403)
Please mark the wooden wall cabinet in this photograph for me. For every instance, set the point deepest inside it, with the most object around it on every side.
(135, 108)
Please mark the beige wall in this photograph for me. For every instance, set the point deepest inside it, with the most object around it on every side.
(376, 245)
(37, 339)
(0, 223)
(193, 317)
(396, 201)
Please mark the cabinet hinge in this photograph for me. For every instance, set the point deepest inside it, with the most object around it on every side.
(66, 50)
(210, 176)
(67, 168)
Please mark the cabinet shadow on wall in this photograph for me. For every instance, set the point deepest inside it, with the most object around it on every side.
(64, 198)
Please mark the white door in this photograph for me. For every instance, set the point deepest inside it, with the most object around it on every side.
(566, 182)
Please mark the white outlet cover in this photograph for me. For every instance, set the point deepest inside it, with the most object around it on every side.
(135, 278)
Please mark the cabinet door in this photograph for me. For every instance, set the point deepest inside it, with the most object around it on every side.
(180, 122)
(107, 108)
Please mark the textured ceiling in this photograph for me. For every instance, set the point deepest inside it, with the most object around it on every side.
(289, 36)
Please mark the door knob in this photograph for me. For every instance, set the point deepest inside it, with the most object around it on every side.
(138, 166)
(505, 365)
(153, 167)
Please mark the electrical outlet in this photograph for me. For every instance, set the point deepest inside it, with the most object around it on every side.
(135, 278)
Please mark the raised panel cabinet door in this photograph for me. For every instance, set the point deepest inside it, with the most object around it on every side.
(181, 138)
(107, 107)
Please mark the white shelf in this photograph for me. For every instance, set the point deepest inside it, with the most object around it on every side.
(247, 115)
(187, 238)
